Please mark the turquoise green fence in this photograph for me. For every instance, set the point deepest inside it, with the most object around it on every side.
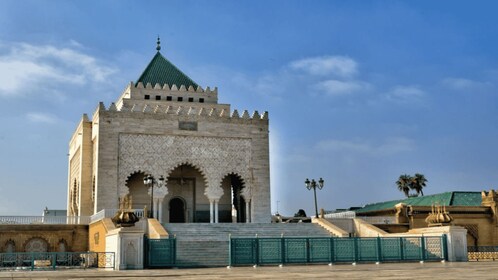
(160, 252)
(56, 260)
(288, 250)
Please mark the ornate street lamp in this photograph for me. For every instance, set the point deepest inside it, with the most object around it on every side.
(313, 185)
(149, 180)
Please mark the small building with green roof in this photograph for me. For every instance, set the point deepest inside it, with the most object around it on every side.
(456, 198)
(475, 211)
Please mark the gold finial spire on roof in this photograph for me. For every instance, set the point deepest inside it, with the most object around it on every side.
(158, 48)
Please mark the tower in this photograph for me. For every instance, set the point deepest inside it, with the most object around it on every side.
(165, 125)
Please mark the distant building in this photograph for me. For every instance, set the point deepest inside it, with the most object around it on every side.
(212, 159)
(474, 211)
(52, 212)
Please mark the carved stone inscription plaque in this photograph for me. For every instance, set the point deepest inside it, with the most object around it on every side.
(192, 126)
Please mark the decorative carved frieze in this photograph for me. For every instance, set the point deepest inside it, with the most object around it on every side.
(214, 157)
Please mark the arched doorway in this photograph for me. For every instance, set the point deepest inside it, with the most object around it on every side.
(177, 210)
(236, 204)
(187, 183)
(138, 191)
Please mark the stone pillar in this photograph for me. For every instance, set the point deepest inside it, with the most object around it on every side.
(216, 211)
(247, 195)
(127, 245)
(211, 217)
(160, 205)
(457, 244)
(213, 194)
(159, 194)
(154, 215)
(248, 214)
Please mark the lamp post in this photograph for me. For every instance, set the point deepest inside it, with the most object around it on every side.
(150, 180)
(313, 185)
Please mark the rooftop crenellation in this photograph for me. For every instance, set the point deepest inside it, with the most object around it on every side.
(173, 87)
(194, 110)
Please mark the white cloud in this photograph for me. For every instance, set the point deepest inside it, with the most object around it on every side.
(463, 84)
(389, 146)
(41, 118)
(337, 87)
(405, 94)
(75, 43)
(25, 67)
(341, 66)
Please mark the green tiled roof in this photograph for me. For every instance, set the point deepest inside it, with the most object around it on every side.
(161, 71)
(443, 199)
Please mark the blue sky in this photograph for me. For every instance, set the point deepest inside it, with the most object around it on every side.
(359, 92)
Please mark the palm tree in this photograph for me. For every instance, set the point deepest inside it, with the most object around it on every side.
(404, 184)
(418, 183)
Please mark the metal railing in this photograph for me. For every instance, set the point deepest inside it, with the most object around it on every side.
(368, 219)
(56, 260)
(160, 252)
(378, 219)
(109, 213)
(46, 220)
(306, 250)
(341, 215)
(63, 220)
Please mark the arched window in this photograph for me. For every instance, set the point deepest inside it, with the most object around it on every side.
(36, 244)
(61, 247)
(10, 246)
(74, 198)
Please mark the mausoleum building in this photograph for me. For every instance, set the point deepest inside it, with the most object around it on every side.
(207, 163)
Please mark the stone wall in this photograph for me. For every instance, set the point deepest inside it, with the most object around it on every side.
(152, 129)
(75, 237)
(97, 234)
(130, 142)
(479, 222)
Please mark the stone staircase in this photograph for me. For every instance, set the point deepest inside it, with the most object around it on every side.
(206, 245)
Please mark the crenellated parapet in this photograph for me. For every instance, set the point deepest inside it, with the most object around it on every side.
(170, 93)
(189, 110)
(166, 87)
(489, 197)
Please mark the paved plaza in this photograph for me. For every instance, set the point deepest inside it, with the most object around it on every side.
(434, 271)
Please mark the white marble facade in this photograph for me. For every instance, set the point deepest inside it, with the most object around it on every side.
(137, 136)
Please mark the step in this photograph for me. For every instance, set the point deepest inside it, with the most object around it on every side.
(206, 245)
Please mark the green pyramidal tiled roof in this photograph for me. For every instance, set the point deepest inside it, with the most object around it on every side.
(443, 199)
(161, 71)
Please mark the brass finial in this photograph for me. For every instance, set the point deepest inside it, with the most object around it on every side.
(438, 216)
(125, 217)
(158, 48)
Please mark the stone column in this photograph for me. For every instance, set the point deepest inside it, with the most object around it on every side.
(213, 194)
(160, 205)
(246, 193)
(159, 194)
(154, 215)
(216, 211)
(211, 220)
(248, 214)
